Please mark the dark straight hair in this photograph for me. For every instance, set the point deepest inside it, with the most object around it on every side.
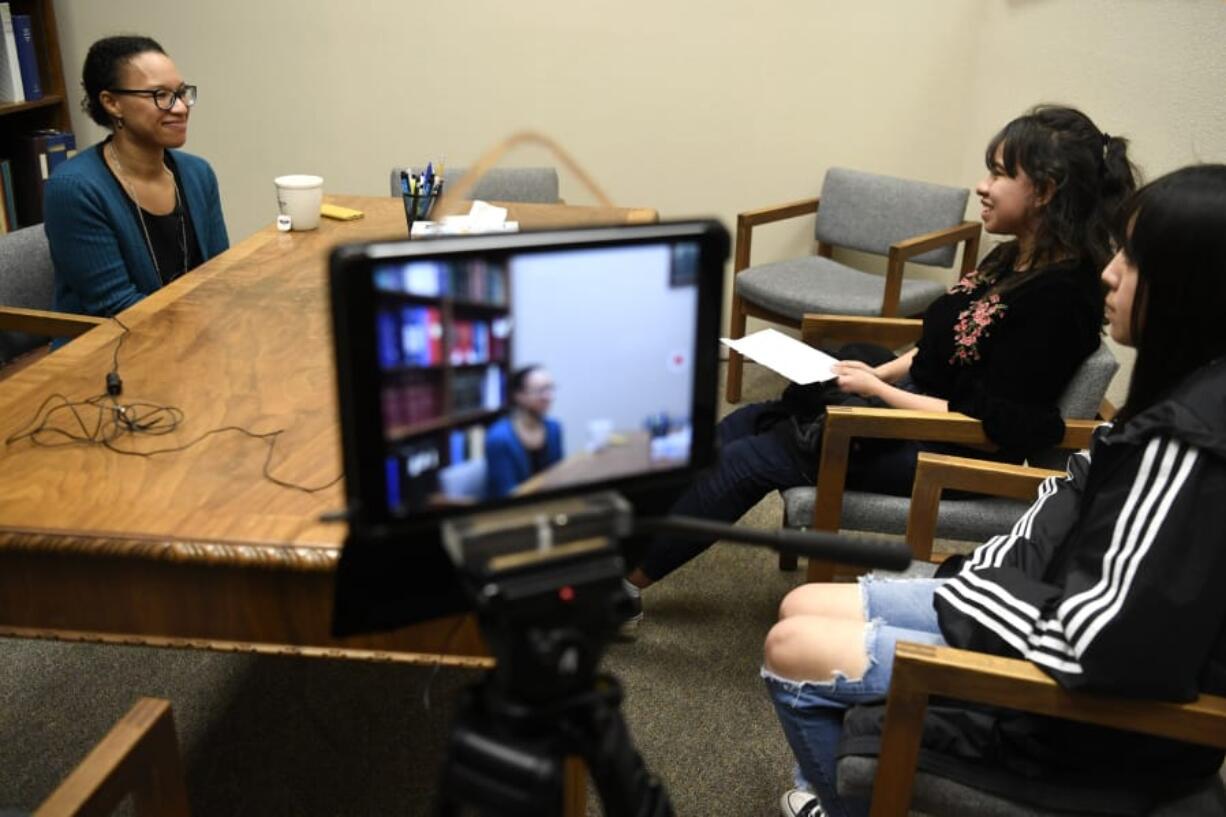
(1087, 173)
(1174, 231)
(520, 375)
(101, 70)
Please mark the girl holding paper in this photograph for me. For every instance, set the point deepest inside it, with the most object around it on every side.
(1110, 582)
(1000, 345)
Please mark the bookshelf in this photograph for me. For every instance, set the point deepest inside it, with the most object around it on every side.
(19, 118)
(52, 110)
(444, 335)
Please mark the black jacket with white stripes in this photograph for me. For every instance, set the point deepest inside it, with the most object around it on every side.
(1113, 581)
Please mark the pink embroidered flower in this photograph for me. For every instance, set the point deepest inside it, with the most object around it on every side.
(973, 325)
(968, 283)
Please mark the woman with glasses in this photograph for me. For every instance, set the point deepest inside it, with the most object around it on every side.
(131, 214)
(525, 442)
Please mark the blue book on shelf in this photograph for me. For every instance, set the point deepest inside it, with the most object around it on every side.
(60, 146)
(458, 443)
(389, 339)
(414, 336)
(23, 32)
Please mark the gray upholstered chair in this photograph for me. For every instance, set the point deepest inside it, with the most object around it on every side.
(897, 218)
(923, 670)
(827, 506)
(525, 184)
(27, 294)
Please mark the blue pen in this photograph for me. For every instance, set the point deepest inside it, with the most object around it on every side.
(427, 182)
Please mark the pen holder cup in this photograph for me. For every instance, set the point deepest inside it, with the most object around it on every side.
(417, 206)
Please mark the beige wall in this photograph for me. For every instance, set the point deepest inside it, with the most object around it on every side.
(691, 106)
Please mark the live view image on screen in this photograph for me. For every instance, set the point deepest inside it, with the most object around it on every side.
(508, 374)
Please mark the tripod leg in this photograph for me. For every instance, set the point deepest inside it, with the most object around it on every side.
(488, 772)
(627, 788)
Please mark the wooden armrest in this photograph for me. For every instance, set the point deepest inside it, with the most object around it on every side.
(746, 221)
(778, 212)
(845, 422)
(890, 332)
(936, 472)
(968, 231)
(918, 245)
(921, 670)
(139, 756)
(43, 322)
(1078, 434)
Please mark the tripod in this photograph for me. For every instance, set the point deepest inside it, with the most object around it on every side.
(548, 591)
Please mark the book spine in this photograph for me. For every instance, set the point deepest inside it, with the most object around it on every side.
(23, 33)
(10, 198)
(29, 171)
(11, 89)
(61, 145)
(388, 332)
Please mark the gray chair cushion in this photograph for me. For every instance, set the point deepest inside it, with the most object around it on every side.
(864, 211)
(527, 184)
(817, 284)
(938, 795)
(27, 280)
(967, 520)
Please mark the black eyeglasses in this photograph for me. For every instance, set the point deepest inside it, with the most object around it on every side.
(165, 99)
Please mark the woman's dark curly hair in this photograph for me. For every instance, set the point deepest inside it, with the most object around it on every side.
(101, 71)
(1085, 172)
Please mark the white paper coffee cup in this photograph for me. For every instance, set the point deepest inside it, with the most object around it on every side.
(299, 197)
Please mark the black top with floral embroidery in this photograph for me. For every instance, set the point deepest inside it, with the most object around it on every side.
(1006, 359)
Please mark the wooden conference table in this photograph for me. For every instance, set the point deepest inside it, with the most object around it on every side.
(196, 548)
(626, 454)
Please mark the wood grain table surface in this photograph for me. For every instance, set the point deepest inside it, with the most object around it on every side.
(196, 548)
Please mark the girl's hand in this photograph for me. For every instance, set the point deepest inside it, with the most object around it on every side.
(858, 378)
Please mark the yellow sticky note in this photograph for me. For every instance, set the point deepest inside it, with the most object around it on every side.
(339, 213)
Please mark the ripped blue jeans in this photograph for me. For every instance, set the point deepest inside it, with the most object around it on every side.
(811, 712)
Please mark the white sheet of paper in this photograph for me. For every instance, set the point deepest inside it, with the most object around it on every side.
(794, 359)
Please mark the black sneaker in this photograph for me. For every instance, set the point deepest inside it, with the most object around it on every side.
(800, 803)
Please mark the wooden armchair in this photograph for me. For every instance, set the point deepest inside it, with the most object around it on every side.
(922, 670)
(825, 506)
(936, 472)
(900, 219)
(139, 756)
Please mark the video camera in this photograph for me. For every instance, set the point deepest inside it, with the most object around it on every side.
(450, 510)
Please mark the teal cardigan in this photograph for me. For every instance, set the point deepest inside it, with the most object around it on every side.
(506, 459)
(102, 263)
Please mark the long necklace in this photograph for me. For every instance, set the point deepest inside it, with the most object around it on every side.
(140, 212)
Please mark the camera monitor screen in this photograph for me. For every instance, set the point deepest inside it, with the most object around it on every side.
(491, 370)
